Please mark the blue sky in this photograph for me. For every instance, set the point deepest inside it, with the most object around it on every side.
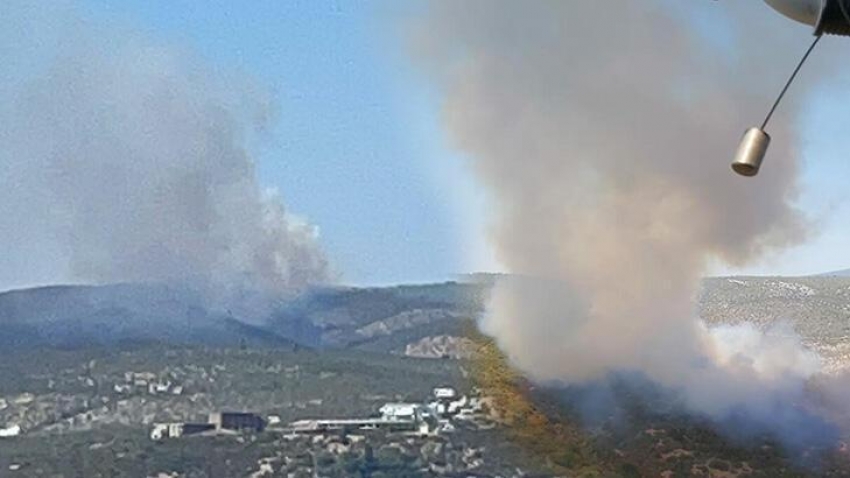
(357, 147)
(823, 143)
(824, 195)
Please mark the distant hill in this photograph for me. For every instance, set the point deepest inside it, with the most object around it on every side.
(382, 320)
(378, 319)
(424, 321)
(375, 319)
(817, 307)
(841, 273)
(73, 316)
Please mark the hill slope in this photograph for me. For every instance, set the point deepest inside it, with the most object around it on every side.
(74, 316)
(384, 320)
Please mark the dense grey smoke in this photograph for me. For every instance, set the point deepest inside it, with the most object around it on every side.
(124, 159)
(604, 131)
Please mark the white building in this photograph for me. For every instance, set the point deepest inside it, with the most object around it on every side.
(177, 430)
(159, 387)
(11, 431)
(399, 411)
(444, 393)
(166, 430)
(24, 399)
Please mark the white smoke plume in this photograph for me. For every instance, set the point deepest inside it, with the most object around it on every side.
(603, 130)
(127, 160)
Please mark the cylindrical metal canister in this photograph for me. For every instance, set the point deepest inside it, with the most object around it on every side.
(751, 152)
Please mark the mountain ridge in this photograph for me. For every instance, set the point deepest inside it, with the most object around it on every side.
(385, 319)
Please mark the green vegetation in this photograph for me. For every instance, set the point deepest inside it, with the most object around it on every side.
(638, 439)
(74, 418)
(551, 440)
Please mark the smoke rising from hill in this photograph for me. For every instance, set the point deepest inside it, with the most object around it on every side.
(125, 159)
(604, 131)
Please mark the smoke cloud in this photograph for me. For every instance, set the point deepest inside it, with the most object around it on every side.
(127, 160)
(604, 132)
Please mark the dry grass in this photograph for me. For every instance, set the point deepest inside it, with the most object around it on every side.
(558, 445)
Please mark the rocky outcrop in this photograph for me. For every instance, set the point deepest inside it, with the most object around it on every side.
(441, 346)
